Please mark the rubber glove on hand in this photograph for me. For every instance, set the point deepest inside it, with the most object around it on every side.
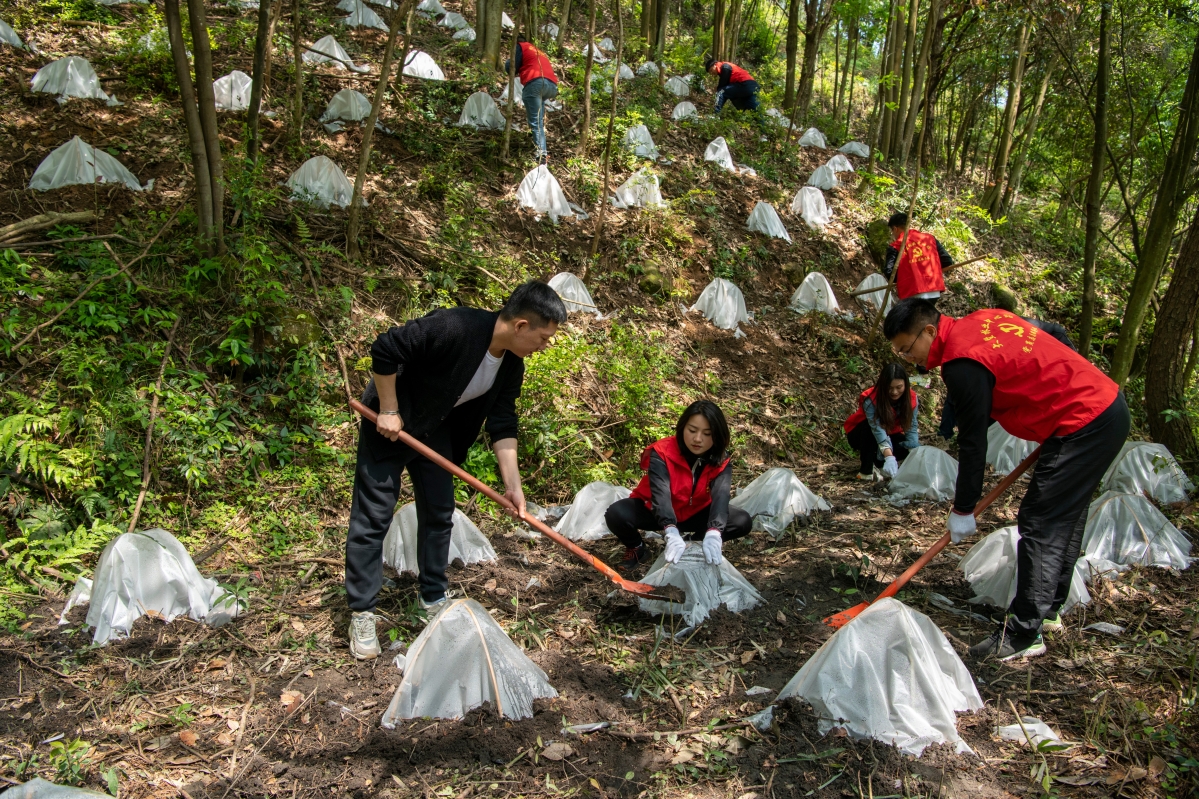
(712, 542)
(675, 545)
(961, 526)
(890, 466)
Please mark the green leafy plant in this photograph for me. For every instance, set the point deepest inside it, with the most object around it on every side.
(70, 760)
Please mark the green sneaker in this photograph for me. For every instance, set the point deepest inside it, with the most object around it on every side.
(1053, 624)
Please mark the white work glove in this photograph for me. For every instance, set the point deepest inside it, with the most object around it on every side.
(675, 545)
(890, 466)
(712, 542)
(961, 526)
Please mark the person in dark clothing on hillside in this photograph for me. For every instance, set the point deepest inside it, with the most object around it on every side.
(438, 378)
(539, 84)
(885, 411)
(923, 260)
(735, 85)
(997, 365)
(686, 490)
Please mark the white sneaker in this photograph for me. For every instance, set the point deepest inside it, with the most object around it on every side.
(431, 609)
(364, 641)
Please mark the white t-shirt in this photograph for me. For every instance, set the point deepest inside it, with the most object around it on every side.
(483, 380)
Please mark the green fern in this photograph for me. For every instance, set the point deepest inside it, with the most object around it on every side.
(20, 445)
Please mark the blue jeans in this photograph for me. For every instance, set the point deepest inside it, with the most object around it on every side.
(743, 96)
(534, 95)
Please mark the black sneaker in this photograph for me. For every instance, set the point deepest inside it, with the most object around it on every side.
(542, 159)
(634, 558)
(1002, 647)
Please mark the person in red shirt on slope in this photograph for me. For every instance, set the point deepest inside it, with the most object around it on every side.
(538, 85)
(922, 263)
(735, 85)
(998, 365)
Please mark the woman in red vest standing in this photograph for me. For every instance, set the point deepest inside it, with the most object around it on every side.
(871, 428)
(923, 261)
(736, 86)
(686, 489)
(539, 84)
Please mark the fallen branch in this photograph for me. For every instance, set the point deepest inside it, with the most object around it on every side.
(43, 221)
(162, 368)
(112, 236)
(241, 730)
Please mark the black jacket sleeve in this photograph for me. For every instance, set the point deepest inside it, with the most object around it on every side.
(518, 56)
(889, 262)
(502, 420)
(971, 386)
(726, 77)
(722, 489)
(943, 254)
(659, 492)
(1054, 329)
(398, 346)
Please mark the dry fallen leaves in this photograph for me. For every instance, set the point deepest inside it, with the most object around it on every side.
(557, 751)
(746, 657)
(291, 700)
(187, 738)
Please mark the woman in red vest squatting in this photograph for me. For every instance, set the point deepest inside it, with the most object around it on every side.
(920, 267)
(538, 84)
(686, 488)
(997, 365)
(736, 86)
(871, 427)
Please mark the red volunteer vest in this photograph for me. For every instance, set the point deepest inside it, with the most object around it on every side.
(534, 64)
(859, 416)
(919, 270)
(739, 75)
(1042, 387)
(687, 501)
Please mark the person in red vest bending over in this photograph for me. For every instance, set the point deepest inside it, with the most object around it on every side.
(996, 364)
(736, 86)
(886, 410)
(923, 260)
(685, 491)
(539, 84)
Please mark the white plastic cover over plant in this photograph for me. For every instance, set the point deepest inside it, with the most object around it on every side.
(764, 219)
(364, 17)
(723, 304)
(467, 542)
(233, 91)
(349, 105)
(874, 298)
(462, 659)
(150, 572)
(9, 36)
(78, 163)
(431, 7)
(453, 20)
(775, 498)
(1004, 450)
(550, 30)
(606, 43)
(1150, 469)
(718, 151)
(573, 292)
(839, 163)
(814, 294)
(541, 192)
(584, 520)
(779, 118)
(678, 86)
(626, 73)
(648, 68)
(465, 35)
(1127, 529)
(480, 111)
(69, 77)
(637, 139)
(519, 99)
(990, 568)
(927, 473)
(598, 57)
(813, 138)
(824, 178)
(855, 148)
(506, 21)
(707, 587)
(687, 110)
(890, 675)
(641, 190)
(322, 183)
(37, 788)
(421, 65)
(809, 203)
(329, 51)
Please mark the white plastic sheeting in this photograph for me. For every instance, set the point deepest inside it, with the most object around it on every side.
(775, 498)
(480, 111)
(855, 148)
(506, 21)
(813, 138)
(150, 572)
(432, 7)
(686, 110)
(1031, 731)
(69, 77)
(459, 661)
(764, 219)
(573, 292)
(638, 140)
(454, 21)
(349, 105)
(233, 91)
(540, 192)
(839, 163)
(779, 118)
(519, 88)
(598, 57)
(78, 163)
(329, 51)
(584, 519)
(723, 304)
(927, 473)
(606, 43)
(421, 65)
(364, 17)
(550, 30)
(641, 190)
(1150, 469)
(890, 675)
(814, 294)
(718, 151)
(678, 86)
(824, 178)
(990, 568)
(875, 298)
(1128, 530)
(626, 73)
(465, 35)
(37, 788)
(467, 542)
(809, 203)
(321, 182)
(707, 587)
(1004, 450)
(9, 36)
(648, 68)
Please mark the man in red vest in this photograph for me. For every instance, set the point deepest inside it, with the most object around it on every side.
(997, 365)
(539, 84)
(923, 260)
(736, 86)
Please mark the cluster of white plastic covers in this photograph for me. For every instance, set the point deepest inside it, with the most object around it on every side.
(824, 178)
(775, 498)
(597, 57)
(148, 572)
(1004, 450)
(9, 36)
(69, 77)
(855, 148)
(467, 542)
(550, 30)
(584, 520)
(233, 91)
(453, 21)
(329, 51)
(78, 163)
(421, 65)
(722, 304)
(990, 568)
(363, 16)
(678, 86)
(927, 473)
(764, 219)
(648, 68)
(707, 587)
(431, 7)
(685, 110)
(641, 190)
(573, 292)
(1128, 530)
(1149, 469)
(461, 660)
(638, 140)
(349, 105)
(321, 182)
(889, 675)
(541, 193)
(518, 89)
(813, 138)
(875, 298)
(839, 163)
(480, 111)
(466, 34)
(809, 203)
(814, 294)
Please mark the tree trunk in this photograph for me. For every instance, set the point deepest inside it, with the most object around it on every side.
(919, 96)
(889, 79)
(563, 24)
(297, 56)
(587, 79)
(191, 117)
(495, 30)
(407, 45)
(660, 37)
(482, 20)
(718, 30)
(792, 52)
(603, 202)
(648, 16)
(733, 30)
(261, 40)
(853, 77)
(817, 18)
(1095, 182)
(906, 89)
(992, 199)
(1166, 368)
(1012, 193)
(1172, 192)
(276, 12)
(520, 15)
(206, 98)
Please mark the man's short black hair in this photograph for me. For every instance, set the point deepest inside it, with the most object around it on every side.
(898, 219)
(708, 62)
(910, 316)
(521, 39)
(534, 301)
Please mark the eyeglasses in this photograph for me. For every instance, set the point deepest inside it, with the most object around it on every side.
(906, 352)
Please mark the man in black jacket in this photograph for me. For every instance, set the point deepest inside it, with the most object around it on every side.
(439, 378)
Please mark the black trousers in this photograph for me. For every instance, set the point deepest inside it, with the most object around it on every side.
(743, 96)
(626, 519)
(862, 439)
(1053, 515)
(376, 491)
